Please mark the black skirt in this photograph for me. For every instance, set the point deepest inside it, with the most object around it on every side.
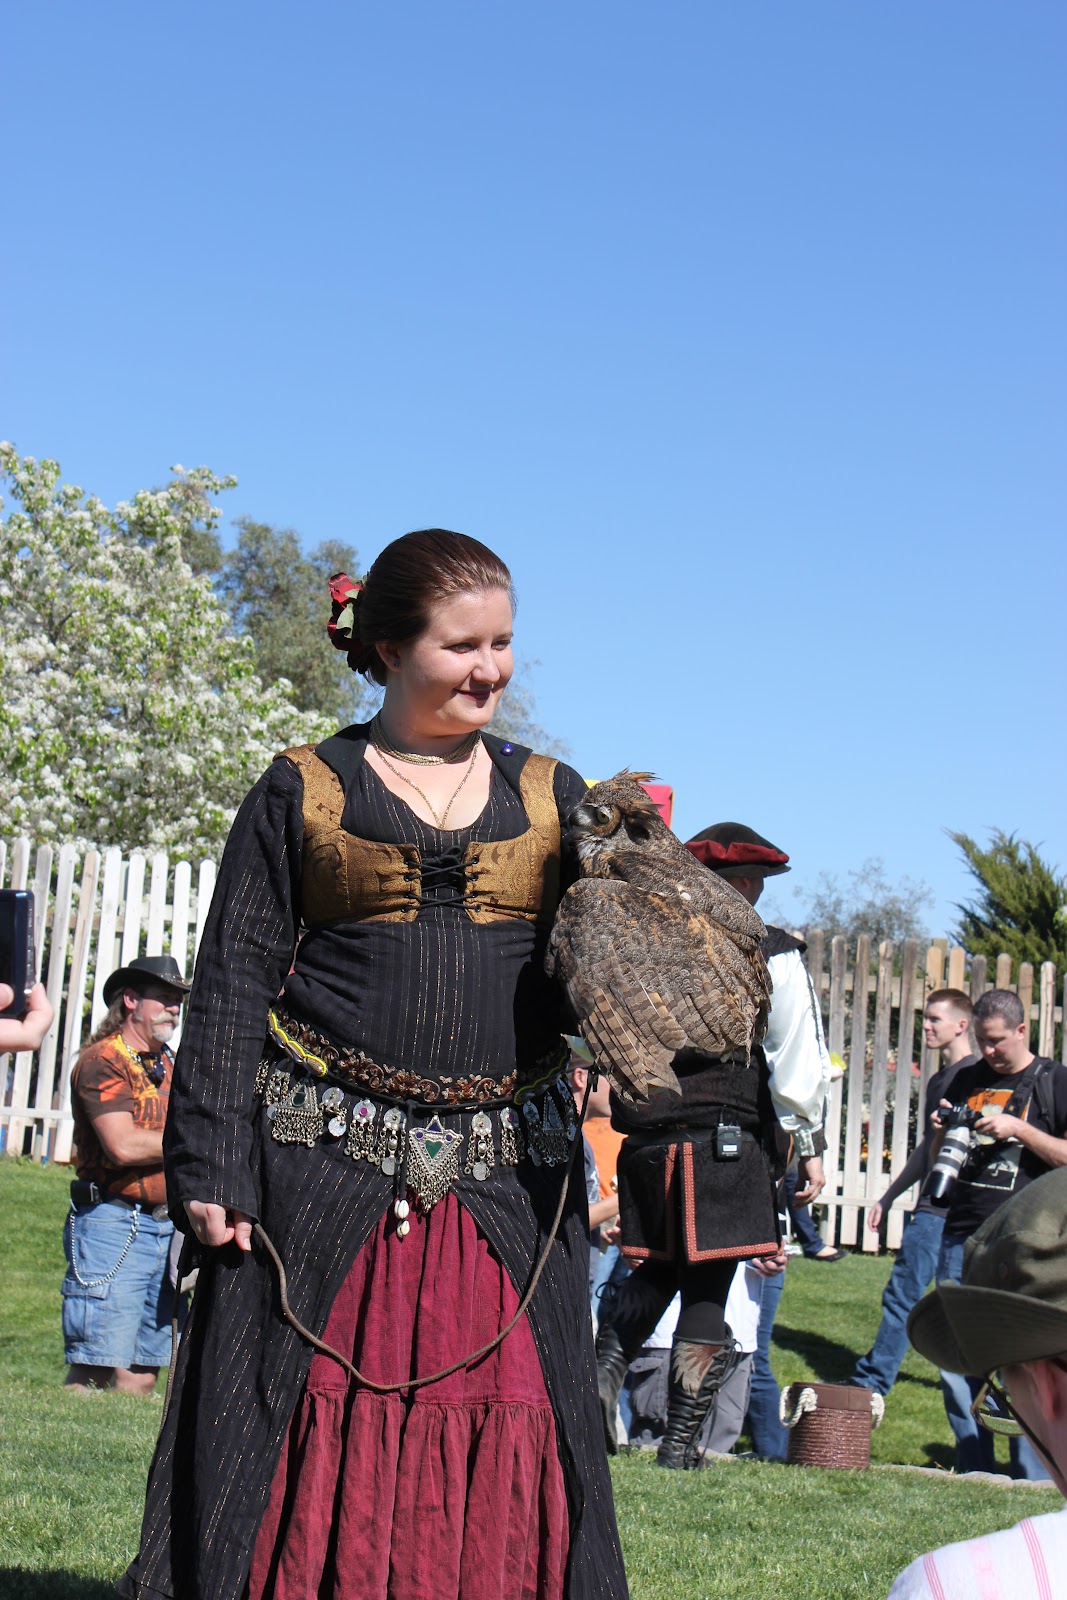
(679, 1201)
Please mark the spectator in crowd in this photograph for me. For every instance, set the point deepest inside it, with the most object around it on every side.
(1021, 1104)
(744, 1312)
(644, 1398)
(28, 1032)
(812, 1244)
(118, 1298)
(799, 1066)
(603, 1207)
(603, 1143)
(946, 1027)
(1006, 1318)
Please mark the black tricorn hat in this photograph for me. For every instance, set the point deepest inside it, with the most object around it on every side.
(734, 851)
(158, 969)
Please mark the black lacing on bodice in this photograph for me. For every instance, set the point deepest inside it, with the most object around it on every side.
(444, 877)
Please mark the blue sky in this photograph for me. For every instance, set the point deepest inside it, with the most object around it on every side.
(738, 329)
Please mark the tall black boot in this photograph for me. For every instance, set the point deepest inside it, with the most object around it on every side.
(697, 1373)
(628, 1315)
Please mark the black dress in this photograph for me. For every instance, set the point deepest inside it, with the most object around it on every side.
(437, 986)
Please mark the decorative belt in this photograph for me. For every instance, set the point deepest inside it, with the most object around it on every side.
(321, 1056)
(424, 1149)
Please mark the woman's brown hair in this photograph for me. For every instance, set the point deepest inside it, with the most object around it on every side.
(409, 577)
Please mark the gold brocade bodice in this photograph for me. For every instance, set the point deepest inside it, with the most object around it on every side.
(346, 878)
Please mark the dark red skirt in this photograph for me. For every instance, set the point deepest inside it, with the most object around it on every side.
(454, 1490)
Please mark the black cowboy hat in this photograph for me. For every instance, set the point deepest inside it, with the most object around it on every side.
(157, 969)
(734, 851)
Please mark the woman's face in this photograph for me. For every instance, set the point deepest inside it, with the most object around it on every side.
(450, 679)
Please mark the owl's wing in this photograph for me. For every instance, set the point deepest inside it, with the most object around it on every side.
(647, 978)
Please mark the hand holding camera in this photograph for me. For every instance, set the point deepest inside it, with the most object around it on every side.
(26, 1032)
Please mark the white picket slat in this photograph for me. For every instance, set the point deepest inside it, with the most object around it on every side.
(132, 909)
(46, 1098)
(157, 906)
(76, 997)
(106, 938)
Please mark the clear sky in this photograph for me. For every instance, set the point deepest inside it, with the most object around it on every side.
(737, 328)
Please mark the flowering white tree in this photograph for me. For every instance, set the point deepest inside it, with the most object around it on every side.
(131, 714)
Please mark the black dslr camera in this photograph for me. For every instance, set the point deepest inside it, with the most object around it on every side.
(959, 1124)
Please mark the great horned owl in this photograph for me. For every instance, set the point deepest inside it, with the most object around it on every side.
(656, 953)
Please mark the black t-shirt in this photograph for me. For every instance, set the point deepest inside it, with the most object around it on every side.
(997, 1169)
(939, 1088)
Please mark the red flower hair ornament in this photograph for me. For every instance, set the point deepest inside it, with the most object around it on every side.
(342, 626)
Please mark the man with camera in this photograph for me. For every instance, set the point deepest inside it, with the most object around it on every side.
(1003, 1128)
(118, 1297)
(946, 1028)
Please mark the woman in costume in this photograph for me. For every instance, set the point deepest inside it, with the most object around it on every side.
(369, 1089)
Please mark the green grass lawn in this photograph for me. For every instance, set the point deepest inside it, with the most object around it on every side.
(72, 1466)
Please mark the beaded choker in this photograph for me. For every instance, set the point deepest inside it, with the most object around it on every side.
(460, 753)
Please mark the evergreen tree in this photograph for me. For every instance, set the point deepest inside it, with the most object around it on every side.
(277, 596)
(1021, 905)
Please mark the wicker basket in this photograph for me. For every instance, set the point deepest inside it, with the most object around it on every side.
(830, 1424)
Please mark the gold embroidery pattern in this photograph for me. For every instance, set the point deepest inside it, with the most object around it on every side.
(345, 877)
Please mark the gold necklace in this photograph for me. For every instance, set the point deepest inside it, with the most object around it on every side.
(438, 820)
(460, 753)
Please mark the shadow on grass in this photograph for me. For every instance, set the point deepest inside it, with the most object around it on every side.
(18, 1584)
(830, 1361)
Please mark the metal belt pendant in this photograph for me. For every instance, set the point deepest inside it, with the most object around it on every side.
(389, 1142)
(533, 1132)
(570, 1113)
(554, 1145)
(298, 1117)
(433, 1161)
(333, 1106)
(480, 1154)
(361, 1143)
(509, 1136)
(275, 1091)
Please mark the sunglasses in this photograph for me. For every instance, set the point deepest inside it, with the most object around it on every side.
(993, 1411)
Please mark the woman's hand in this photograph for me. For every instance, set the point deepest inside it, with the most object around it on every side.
(217, 1225)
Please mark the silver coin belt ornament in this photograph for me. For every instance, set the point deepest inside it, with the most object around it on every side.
(433, 1150)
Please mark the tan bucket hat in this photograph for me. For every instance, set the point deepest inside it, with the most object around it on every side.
(1012, 1303)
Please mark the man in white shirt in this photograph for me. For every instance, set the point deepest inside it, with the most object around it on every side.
(1006, 1320)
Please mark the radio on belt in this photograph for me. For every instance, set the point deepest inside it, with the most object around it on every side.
(728, 1142)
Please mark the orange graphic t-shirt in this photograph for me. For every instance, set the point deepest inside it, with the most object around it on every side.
(606, 1143)
(109, 1077)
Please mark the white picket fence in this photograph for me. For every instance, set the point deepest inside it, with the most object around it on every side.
(92, 914)
(96, 912)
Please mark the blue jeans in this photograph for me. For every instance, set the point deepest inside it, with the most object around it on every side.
(801, 1218)
(769, 1439)
(974, 1446)
(912, 1271)
(117, 1297)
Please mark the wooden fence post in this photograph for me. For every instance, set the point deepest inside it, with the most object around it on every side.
(909, 961)
(857, 1061)
(835, 1041)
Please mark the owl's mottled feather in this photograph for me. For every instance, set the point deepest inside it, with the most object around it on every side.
(656, 953)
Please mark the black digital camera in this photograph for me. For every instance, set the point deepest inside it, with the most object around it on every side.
(959, 1124)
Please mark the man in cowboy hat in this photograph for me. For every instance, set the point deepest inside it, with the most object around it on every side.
(117, 1295)
(1006, 1321)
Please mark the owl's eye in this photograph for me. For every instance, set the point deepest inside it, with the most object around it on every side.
(603, 814)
